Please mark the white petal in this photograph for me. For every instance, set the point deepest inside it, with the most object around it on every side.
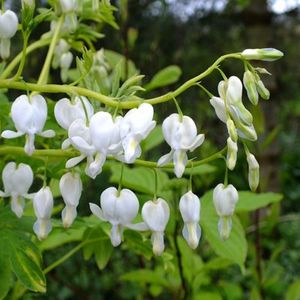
(116, 235)
(17, 205)
(75, 161)
(47, 133)
(234, 90)
(93, 168)
(68, 215)
(43, 203)
(197, 142)
(180, 160)
(9, 134)
(96, 211)
(192, 233)
(42, 227)
(80, 144)
(127, 206)
(224, 227)
(70, 186)
(189, 206)
(8, 24)
(29, 144)
(165, 159)
(138, 226)
(219, 106)
(66, 144)
(158, 244)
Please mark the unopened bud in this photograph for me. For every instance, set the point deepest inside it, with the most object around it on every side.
(250, 86)
(262, 90)
(253, 174)
(232, 130)
(262, 71)
(266, 54)
(232, 150)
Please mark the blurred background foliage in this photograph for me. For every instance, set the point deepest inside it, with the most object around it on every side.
(192, 34)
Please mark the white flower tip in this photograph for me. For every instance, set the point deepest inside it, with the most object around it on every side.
(224, 227)
(192, 233)
(158, 244)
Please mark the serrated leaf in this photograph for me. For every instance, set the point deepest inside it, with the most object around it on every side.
(235, 248)
(251, 201)
(164, 77)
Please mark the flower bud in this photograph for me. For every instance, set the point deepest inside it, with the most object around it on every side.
(234, 91)
(222, 88)
(225, 199)
(70, 186)
(156, 215)
(232, 150)
(43, 205)
(262, 90)
(250, 86)
(253, 173)
(232, 130)
(266, 54)
(189, 206)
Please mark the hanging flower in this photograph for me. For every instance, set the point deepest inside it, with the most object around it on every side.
(118, 208)
(135, 127)
(232, 150)
(16, 180)
(189, 206)
(29, 115)
(70, 186)
(253, 173)
(43, 205)
(8, 28)
(156, 215)
(181, 134)
(225, 199)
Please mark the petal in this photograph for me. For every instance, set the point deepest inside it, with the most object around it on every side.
(197, 142)
(108, 201)
(22, 179)
(127, 206)
(75, 161)
(234, 90)
(165, 159)
(116, 235)
(65, 144)
(29, 144)
(180, 160)
(42, 227)
(43, 203)
(158, 245)
(131, 148)
(192, 233)
(96, 211)
(224, 227)
(17, 205)
(47, 133)
(138, 226)
(68, 215)
(8, 24)
(189, 206)
(70, 186)
(9, 134)
(219, 106)
(81, 144)
(94, 167)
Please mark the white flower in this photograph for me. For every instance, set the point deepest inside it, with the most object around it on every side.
(156, 215)
(135, 127)
(8, 28)
(70, 186)
(29, 116)
(253, 173)
(266, 54)
(234, 90)
(189, 206)
(16, 180)
(118, 208)
(43, 205)
(225, 199)
(68, 6)
(181, 135)
(249, 81)
(62, 47)
(105, 137)
(66, 111)
(65, 64)
(80, 139)
(232, 150)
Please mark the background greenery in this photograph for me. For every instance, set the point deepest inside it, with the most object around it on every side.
(262, 259)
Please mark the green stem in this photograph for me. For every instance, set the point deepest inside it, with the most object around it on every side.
(111, 101)
(46, 67)
(23, 57)
(36, 45)
(19, 151)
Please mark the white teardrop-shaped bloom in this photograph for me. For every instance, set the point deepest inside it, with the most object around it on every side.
(181, 135)
(156, 215)
(29, 116)
(232, 150)
(189, 206)
(70, 186)
(43, 205)
(66, 111)
(266, 54)
(16, 180)
(234, 90)
(135, 127)
(253, 172)
(61, 48)
(225, 199)
(8, 28)
(118, 208)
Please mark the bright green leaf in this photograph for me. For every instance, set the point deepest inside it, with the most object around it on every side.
(293, 292)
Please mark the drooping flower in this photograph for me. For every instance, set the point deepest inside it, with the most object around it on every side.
(43, 205)
(118, 208)
(70, 186)
(135, 127)
(232, 150)
(225, 199)
(190, 206)
(29, 115)
(181, 134)
(16, 180)
(80, 139)
(8, 28)
(156, 215)
(105, 138)
(253, 173)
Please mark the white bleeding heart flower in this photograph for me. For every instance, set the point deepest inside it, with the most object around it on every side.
(43, 205)
(232, 149)
(29, 115)
(8, 28)
(190, 206)
(16, 180)
(225, 199)
(105, 137)
(70, 186)
(253, 172)
(135, 127)
(156, 215)
(67, 111)
(118, 208)
(181, 135)
(80, 139)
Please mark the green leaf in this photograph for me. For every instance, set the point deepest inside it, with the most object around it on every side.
(153, 139)
(235, 248)
(251, 201)
(293, 292)
(164, 77)
(5, 274)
